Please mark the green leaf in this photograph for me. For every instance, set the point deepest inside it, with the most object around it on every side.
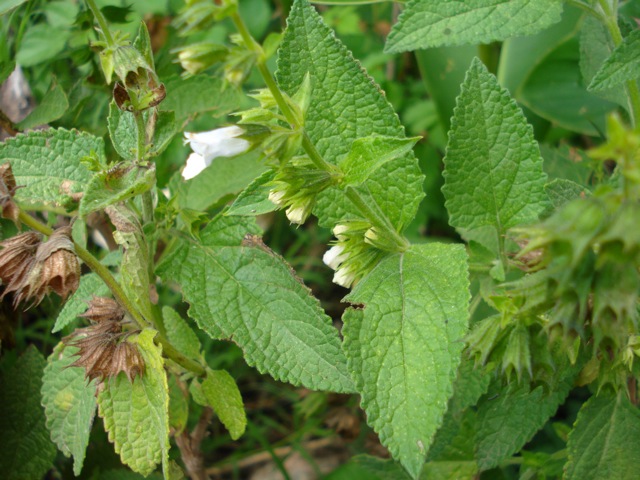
(370, 153)
(26, 451)
(116, 185)
(52, 107)
(346, 105)
(437, 23)
(165, 128)
(134, 268)
(69, 404)
(180, 334)
(383, 469)
(245, 292)
(404, 346)
(6, 5)
(178, 406)
(604, 442)
(222, 394)
(41, 42)
(199, 94)
(509, 417)
(561, 191)
(90, 285)
(493, 168)
(623, 64)
(224, 178)
(254, 200)
(48, 163)
(136, 414)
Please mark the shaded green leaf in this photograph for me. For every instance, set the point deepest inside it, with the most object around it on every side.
(437, 23)
(199, 94)
(561, 191)
(404, 347)
(180, 334)
(623, 64)
(6, 5)
(605, 440)
(52, 107)
(49, 163)
(136, 414)
(178, 406)
(273, 317)
(254, 200)
(69, 403)
(222, 394)
(26, 451)
(90, 285)
(345, 105)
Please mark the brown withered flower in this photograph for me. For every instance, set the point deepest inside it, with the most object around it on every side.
(16, 251)
(7, 189)
(104, 351)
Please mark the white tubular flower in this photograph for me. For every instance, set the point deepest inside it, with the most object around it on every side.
(333, 257)
(276, 197)
(221, 142)
(344, 278)
(339, 230)
(297, 215)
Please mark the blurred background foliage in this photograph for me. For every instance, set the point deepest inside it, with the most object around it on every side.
(292, 430)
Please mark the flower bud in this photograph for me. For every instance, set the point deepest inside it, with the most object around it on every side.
(197, 57)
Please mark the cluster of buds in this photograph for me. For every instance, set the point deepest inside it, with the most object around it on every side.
(31, 269)
(353, 255)
(104, 351)
(296, 186)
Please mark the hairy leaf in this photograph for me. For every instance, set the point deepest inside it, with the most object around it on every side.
(404, 346)
(249, 294)
(136, 414)
(69, 403)
(493, 168)
(48, 163)
(437, 23)
(222, 394)
(623, 64)
(345, 105)
(604, 440)
(26, 450)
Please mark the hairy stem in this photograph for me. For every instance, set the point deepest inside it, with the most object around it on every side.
(102, 22)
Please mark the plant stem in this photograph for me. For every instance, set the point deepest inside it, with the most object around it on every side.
(377, 219)
(102, 22)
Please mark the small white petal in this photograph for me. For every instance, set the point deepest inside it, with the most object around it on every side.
(195, 164)
(344, 278)
(333, 257)
(276, 197)
(338, 230)
(221, 142)
(296, 215)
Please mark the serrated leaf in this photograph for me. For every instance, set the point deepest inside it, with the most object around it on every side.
(136, 414)
(404, 347)
(26, 451)
(52, 107)
(180, 334)
(134, 268)
(48, 163)
(370, 153)
(254, 199)
(604, 441)
(105, 188)
(142, 43)
(90, 285)
(69, 403)
(199, 94)
(223, 395)
(493, 168)
(510, 416)
(437, 23)
(248, 294)
(346, 105)
(623, 64)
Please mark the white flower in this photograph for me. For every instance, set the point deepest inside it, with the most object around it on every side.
(276, 197)
(297, 215)
(338, 231)
(333, 257)
(344, 277)
(221, 142)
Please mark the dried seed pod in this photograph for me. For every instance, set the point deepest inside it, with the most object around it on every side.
(7, 189)
(102, 309)
(59, 268)
(15, 252)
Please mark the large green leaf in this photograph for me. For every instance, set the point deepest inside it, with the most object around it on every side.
(52, 107)
(605, 441)
(26, 450)
(69, 403)
(242, 291)
(199, 94)
(493, 168)
(623, 64)
(437, 23)
(136, 414)
(345, 105)
(48, 163)
(404, 346)
(223, 395)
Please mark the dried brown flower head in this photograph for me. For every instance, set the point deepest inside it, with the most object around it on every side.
(104, 349)
(15, 252)
(7, 189)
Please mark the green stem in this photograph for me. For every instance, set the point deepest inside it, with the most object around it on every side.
(119, 294)
(102, 22)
